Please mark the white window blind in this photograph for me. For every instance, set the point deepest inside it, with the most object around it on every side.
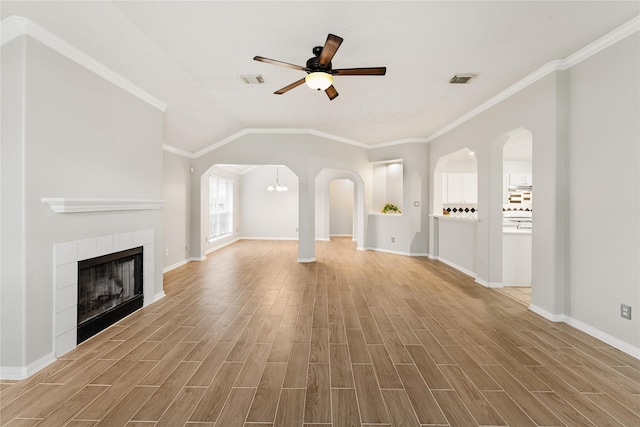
(220, 206)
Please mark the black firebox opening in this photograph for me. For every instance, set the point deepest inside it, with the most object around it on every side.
(109, 289)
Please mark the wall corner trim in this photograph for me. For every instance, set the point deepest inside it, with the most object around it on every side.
(15, 26)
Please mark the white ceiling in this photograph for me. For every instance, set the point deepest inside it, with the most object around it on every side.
(190, 56)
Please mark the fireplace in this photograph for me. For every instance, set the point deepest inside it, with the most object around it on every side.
(110, 287)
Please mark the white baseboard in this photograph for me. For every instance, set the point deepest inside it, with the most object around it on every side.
(22, 372)
(589, 330)
(306, 260)
(159, 296)
(488, 284)
(220, 246)
(176, 265)
(268, 238)
(340, 235)
(389, 251)
(419, 254)
(603, 336)
(457, 267)
(547, 314)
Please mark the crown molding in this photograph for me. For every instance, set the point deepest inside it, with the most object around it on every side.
(602, 43)
(266, 131)
(16, 26)
(178, 151)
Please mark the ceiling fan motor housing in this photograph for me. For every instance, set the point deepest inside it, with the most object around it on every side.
(314, 63)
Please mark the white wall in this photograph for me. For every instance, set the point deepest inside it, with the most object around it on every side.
(411, 228)
(341, 210)
(584, 123)
(176, 194)
(82, 137)
(268, 214)
(604, 190)
(306, 155)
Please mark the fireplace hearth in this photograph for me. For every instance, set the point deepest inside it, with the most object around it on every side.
(110, 287)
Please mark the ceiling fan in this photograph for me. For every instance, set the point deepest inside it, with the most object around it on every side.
(319, 71)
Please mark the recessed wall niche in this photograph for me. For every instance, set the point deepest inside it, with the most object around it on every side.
(387, 184)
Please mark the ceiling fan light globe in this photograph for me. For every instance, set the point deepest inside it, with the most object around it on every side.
(319, 80)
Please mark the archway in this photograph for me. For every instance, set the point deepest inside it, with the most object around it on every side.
(517, 213)
(324, 180)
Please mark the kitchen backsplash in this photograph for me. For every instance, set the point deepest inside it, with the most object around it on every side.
(462, 210)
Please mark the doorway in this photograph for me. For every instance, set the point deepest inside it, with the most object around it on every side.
(517, 215)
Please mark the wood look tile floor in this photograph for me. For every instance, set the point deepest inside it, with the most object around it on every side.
(251, 338)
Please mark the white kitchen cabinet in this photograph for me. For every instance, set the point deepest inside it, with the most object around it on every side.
(460, 188)
(470, 188)
(520, 179)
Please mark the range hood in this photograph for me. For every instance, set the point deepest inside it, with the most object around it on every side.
(520, 187)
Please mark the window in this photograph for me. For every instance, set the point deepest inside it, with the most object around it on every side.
(220, 206)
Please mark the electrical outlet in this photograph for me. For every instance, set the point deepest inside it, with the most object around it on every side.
(166, 252)
(393, 239)
(625, 311)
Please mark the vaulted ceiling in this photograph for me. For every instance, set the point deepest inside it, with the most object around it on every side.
(190, 55)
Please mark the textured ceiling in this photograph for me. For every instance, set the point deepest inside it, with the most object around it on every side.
(190, 56)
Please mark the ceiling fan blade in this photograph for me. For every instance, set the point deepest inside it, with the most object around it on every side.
(330, 48)
(331, 92)
(280, 63)
(289, 87)
(370, 71)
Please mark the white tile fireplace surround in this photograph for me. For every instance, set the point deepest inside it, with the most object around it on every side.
(66, 256)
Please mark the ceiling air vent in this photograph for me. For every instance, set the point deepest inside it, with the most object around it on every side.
(254, 79)
(462, 78)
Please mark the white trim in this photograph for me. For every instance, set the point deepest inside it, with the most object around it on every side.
(15, 26)
(457, 267)
(602, 43)
(603, 336)
(220, 246)
(306, 260)
(398, 142)
(486, 284)
(178, 151)
(176, 265)
(339, 235)
(558, 65)
(19, 373)
(248, 131)
(547, 314)
(198, 258)
(388, 251)
(157, 297)
(76, 205)
(269, 238)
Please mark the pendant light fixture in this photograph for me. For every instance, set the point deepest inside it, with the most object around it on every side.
(277, 186)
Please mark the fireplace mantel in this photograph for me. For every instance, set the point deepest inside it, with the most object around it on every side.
(78, 205)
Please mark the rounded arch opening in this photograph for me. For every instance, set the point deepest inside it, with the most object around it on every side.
(455, 184)
(325, 203)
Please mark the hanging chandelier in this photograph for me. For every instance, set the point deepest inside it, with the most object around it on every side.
(277, 186)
